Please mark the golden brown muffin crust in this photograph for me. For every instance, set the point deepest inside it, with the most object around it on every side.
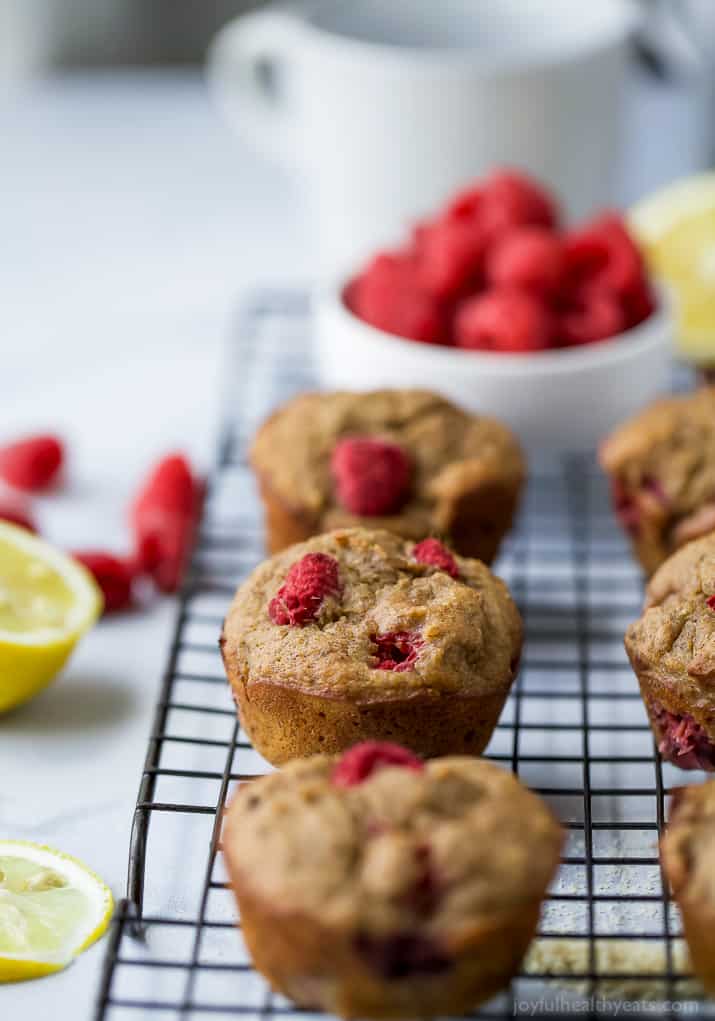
(689, 844)
(352, 855)
(452, 453)
(664, 462)
(470, 626)
(673, 643)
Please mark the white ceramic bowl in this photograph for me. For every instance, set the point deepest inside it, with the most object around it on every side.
(555, 401)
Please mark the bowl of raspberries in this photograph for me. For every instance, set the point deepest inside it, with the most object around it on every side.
(495, 301)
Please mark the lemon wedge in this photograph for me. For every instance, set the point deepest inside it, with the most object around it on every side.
(47, 602)
(51, 909)
(676, 227)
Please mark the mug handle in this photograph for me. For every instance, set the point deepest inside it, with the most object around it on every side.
(245, 60)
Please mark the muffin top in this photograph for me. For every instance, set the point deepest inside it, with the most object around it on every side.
(431, 846)
(668, 452)
(688, 847)
(674, 639)
(433, 452)
(372, 616)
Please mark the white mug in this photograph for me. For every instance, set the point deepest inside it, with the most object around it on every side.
(391, 105)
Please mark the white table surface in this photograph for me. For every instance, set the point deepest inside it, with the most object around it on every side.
(130, 223)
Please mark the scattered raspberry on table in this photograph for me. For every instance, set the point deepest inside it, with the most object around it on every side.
(114, 575)
(16, 510)
(164, 518)
(32, 463)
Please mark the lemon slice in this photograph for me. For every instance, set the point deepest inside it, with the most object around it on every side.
(47, 602)
(51, 909)
(676, 227)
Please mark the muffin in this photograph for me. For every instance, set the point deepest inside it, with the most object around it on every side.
(662, 469)
(358, 635)
(672, 651)
(404, 460)
(379, 886)
(688, 856)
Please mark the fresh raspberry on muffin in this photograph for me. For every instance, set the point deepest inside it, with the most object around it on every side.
(372, 476)
(681, 740)
(393, 649)
(432, 551)
(687, 853)
(397, 650)
(662, 469)
(308, 582)
(405, 460)
(419, 899)
(359, 762)
(672, 651)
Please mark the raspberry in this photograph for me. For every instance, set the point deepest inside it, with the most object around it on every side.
(114, 576)
(596, 314)
(15, 509)
(466, 205)
(362, 760)
(655, 486)
(625, 507)
(32, 463)
(397, 650)
(529, 258)
(638, 304)
(504, 320)
(681, 739)
(604, 254)
(402, 954)
(711, 602)
(372, 476)
(431, 551)
(170, 486)
(451, 257)
(163, 544)
(301, 595)
(511, 199)
(388, 296)
(164, 517)
(425, 894)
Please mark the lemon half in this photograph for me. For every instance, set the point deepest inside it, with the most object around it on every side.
(676, 227)
(51, 909)
(47, 602)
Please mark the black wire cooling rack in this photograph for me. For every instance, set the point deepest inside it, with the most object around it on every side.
(574, 729)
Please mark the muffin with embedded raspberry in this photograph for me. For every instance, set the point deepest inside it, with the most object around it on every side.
(662, 469)
(672, 650)
(688, 856)
(404, 460)
(419, 899)
(358, 635)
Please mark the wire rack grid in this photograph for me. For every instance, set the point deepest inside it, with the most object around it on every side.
(574, 730)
